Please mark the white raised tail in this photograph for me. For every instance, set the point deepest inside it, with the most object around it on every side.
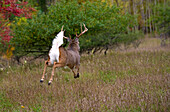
(57, 42)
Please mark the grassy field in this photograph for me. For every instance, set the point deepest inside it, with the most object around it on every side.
(131, 80)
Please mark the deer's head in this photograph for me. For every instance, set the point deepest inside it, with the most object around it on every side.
(74, 43)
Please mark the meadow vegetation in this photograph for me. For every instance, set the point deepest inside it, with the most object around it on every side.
(123, 80)
(132, 76)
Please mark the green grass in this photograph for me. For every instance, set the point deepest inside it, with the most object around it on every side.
(5, 103)
(131, 80)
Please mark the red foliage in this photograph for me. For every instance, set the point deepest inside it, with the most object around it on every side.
(20, 9)
(5, 29)
(9, 8)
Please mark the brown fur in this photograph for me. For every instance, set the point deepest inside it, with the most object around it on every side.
(68, 57)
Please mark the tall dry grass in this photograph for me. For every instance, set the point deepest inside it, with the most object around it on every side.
(131, 80)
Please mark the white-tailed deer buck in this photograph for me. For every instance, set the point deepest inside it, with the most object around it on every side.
(67, 57)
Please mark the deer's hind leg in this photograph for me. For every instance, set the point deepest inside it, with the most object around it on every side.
(45, 67)
(56, 65)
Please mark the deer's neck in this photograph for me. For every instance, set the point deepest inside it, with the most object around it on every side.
(73, 48)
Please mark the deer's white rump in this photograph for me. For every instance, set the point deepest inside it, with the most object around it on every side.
(57, 42)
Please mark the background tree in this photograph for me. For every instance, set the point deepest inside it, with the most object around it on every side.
(141, 8)
(4, 33)
(110, 22)
(9, 9)
(103, 21)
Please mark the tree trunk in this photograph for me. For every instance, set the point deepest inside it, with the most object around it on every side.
(149, 10)
(131, 11)
(131, 7)
(155, 14)
(42, 4)
(146, 14)
(143, 16)
(117, 3)
(112, 2)
(134, 13)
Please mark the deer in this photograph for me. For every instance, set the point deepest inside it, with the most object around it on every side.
(69, 56)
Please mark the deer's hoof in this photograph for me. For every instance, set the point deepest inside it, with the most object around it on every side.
(78, 75)
(75, 77)
(49, 83)
(42, 80)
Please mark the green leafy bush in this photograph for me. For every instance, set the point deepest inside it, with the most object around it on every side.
(162, 18)
(103, 21)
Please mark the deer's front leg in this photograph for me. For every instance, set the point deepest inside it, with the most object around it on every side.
(56, 65)
(78, 67)
(45, 67)
(52, 74)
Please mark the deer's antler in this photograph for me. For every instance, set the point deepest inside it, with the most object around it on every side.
(65, 37)
(62, 28)
(68, 38)
(82, 32)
